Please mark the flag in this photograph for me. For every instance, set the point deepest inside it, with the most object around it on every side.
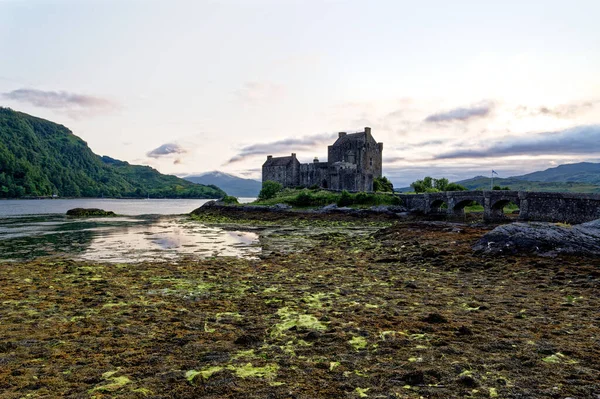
(494, 172)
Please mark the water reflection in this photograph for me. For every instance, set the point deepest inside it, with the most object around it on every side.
(127, 239)
(120, 239)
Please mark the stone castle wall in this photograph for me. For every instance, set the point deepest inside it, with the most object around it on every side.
(315, 174)
(354, 161)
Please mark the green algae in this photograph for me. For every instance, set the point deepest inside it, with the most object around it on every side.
(291, 319)
(205, 374)
(109, 374)
(250, 371)
(248, 354)
(362, 392)
(114, 384)
(242, 371)
(114, 305)
(314, 301)
(558, 358)
(358, 342)
(227, 315)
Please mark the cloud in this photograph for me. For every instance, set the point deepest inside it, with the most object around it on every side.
(74, 104)
(461, 114)
(559, 111)
(393, 159)
(284, 146)
(427, 143)
(260, 92)
(166, 150)
(574, 141)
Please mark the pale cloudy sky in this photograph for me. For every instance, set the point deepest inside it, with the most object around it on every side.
(452, 88)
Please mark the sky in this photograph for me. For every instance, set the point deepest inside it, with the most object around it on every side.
(452, 88)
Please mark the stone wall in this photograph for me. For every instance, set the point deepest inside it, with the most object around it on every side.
(559, 207)
(316, 173)
(535, 206)
(344, 176)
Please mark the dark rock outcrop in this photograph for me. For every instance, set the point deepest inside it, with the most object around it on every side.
(85, 212)
(546, 239)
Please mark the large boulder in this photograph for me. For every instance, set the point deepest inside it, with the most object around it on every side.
(548, 239)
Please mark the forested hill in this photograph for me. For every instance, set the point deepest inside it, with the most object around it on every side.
(42, 158)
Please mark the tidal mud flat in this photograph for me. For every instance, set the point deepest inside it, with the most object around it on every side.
(407, 311)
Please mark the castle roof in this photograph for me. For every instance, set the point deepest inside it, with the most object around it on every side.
(279, 161)
(361, 136)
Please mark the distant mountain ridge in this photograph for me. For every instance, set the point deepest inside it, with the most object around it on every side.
(582, 172)
(582, 177)
(42, 158)
(514, 183)
(232, 185)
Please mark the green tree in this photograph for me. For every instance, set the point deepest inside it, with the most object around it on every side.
(441, 184)
(431, 185)
(269, 190)
(422, 186)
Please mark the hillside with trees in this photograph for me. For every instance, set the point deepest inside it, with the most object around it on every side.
(40, 158)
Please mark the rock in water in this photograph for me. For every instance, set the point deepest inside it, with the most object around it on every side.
(546, 239)
(85, 212)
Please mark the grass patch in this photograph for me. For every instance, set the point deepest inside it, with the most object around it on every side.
(306, 198)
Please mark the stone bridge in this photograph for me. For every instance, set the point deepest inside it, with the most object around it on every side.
(549, 207)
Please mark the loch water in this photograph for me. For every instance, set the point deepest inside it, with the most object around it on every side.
(145, 230)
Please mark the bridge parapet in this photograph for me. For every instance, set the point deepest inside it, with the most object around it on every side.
(539, 206)
(571, 208)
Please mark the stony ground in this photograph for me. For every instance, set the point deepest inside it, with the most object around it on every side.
(409, 312)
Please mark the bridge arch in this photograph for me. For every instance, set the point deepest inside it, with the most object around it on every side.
(459, 207)
(498, 205)
(437, 205)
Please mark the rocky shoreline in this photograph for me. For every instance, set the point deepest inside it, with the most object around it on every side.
(410, 311)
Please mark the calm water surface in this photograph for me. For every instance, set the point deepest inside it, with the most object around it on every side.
(118, 206)
(145, 230)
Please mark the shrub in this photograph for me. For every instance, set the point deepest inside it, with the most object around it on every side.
(382, 184)
(304, 198)
(229, 200)
(345, 199)
(362, 198)
(396, 200)
(269, 190)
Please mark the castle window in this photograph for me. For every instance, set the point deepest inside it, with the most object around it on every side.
(371, 162)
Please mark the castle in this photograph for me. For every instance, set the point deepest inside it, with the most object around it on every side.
(353, 161)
